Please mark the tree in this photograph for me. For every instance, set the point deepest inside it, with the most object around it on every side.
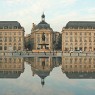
(29, 45)
(58, 45)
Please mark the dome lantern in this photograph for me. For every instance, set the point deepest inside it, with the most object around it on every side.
(43, 17)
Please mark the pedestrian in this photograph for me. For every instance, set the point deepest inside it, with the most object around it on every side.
(44, 52)
(62, 52)
(78, 54)
(12, 53)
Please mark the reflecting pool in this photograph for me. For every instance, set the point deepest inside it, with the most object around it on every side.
(47, 76)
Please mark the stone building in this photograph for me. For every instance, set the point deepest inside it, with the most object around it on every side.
(36, 35)
(79, 35)
(11, 36)
(79, 67)
(11, 67)
(42, 66)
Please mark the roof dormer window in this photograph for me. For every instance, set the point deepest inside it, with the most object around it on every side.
(80, 27)
(1, 27)
(5, 27)
(15, 27)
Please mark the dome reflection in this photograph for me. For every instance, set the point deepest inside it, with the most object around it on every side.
(42, 66)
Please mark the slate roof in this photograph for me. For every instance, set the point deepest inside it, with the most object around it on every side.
(42, 25)
(41, 73)
(80, 24)
(10, 24)
(80, 75)
(9, 74)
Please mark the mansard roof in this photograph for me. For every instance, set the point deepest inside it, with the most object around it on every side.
(10, 25)
(9, 74)
(80, 75)
(80, 24)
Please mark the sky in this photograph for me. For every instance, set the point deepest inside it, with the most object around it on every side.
(57, 12)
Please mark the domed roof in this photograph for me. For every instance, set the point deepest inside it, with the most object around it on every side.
(41, 73)
(43, 24)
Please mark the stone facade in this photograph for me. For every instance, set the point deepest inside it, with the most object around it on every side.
(79, 35)
(11, 67)
(37, 32)
(78, 67)
(11, 36)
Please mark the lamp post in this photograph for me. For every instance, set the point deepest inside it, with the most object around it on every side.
(54, 46)
(54, 43)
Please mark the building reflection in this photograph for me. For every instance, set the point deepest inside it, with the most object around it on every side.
(11, 67)
(79, 67)
(42, 66)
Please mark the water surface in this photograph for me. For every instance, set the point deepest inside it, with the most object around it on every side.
(47, 76)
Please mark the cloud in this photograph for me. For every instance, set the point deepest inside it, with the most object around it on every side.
(58, 13)
(68, 2)
(14, 1)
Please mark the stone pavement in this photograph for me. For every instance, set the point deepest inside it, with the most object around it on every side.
(43, 54)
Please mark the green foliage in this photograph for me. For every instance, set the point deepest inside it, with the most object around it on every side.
(58, 44)
(29, 45)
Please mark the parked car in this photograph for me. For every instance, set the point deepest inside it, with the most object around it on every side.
(76, 51)
(71, 51)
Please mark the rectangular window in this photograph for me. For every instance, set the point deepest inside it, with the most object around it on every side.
(66, 33)
(14, 38)
(5, 33)
(38, 40)
(5, 27)
(19, 43)
(14, 33)
(70, 33)
(5, 39)
(0, 33)
(84, 33)
(10, 33)
(1, 27)
(0, 39)
(0, 47)
(75, 33)
(15, 27)
(71, 39)
(10, 39)
(89, 33)
(80, 33)
(19, 33)
(46, 39)
(19, 39)
(5, 47)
